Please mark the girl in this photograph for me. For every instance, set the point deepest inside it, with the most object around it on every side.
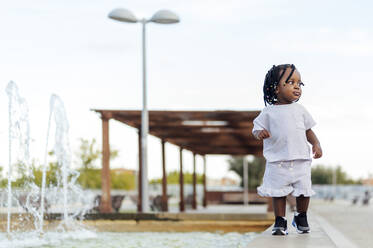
(285, 127)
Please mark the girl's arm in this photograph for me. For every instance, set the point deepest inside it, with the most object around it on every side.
(316, 148)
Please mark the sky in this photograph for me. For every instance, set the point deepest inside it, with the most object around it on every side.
(214, 59)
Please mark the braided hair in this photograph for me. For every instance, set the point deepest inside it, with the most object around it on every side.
(272, 79)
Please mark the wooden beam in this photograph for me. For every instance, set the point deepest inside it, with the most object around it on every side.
(213, 142)
(172, 118)
(105, 205)
(164, 180)
(181, 182)
(186, 115)
(180, 128)
(224, 150)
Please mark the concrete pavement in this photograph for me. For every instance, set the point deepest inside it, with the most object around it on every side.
(353, 222)
(333, 224)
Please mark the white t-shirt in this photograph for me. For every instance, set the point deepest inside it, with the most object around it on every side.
(287, 125)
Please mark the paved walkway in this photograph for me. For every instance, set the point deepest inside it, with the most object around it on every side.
(317, 238)
(354, 222)
(239, 209)
(333, 224)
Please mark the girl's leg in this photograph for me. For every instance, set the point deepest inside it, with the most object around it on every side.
(279, 205)
(302, 204)
(300, 218)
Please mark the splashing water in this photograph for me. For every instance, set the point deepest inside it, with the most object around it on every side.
(89, 239)
(64, 195)
(66, 176)
(19, 156)
(19, 133)
(43, 184)
(62, 146)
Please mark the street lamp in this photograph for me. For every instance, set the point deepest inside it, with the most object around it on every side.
(162, 17)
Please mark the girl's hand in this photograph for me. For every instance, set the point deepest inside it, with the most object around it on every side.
(317, 152)
(263, 134)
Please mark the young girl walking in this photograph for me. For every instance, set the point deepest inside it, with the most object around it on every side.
(285, 128)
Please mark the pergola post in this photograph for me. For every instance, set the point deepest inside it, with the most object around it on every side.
(164, 180)
(105, 205)
(204, 182)
(181, 181)
(139, 180)
(245, 181)
(194, 202)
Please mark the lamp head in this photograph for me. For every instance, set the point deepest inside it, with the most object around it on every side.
(123, 15)
(165, 17)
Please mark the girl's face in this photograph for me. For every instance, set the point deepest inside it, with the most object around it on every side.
(290, 91)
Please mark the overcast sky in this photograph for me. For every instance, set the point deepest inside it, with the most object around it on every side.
(214, 59)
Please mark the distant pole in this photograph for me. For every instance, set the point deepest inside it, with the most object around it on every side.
(204, 182)
(335, 182)
(194, 202)
(164, 179)
(181, 182)
(245, 182)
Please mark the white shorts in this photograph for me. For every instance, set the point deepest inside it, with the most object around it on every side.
(287, 177)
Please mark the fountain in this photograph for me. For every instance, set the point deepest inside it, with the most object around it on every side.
(33, 198)
(66, 197)
(63, 154)
(19, 130)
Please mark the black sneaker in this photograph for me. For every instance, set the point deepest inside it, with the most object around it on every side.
(281, 226)
(300, 223)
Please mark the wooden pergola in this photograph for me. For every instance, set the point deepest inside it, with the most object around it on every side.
(201, 132)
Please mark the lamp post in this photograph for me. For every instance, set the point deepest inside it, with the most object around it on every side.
(161, 17)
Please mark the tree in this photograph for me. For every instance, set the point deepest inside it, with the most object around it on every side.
(256, 169)
(35, 175)
(88, 153)
(123, 180)
(321, 174)
(90, 175)
(173, 178)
